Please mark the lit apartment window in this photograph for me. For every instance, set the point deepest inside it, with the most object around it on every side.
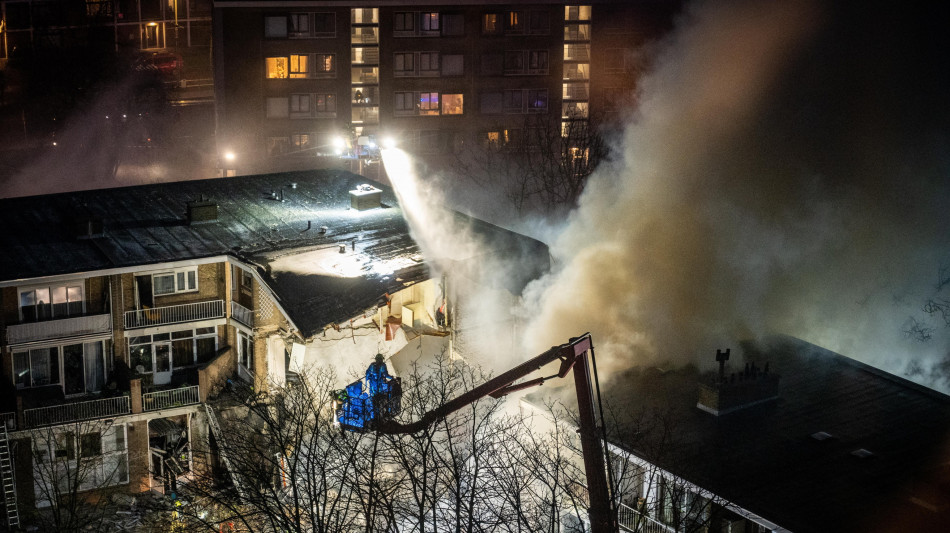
(576, 90)
(429, 22)
(54, 301)
(364, 16)
(574, 110)
(301, 141)
(576, 32)
(410, 103)
(275, 27)
(176, 281)
(324, 65)
(276, 67)
(537, 100)
(576, 71)
(514, 22)
(526, 100)
(300, 106)
(491, 24)
(428, 103)
(577, 52)
(576, 12)
(452, 104)
(298, 66)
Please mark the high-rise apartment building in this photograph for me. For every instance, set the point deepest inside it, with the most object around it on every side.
(291, 76)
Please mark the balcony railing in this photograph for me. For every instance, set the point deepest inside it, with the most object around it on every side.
(153, 401)
(632, 520)
(75, 412)
(174, 314)
(242, 314)
(60, 328)
(9, 420)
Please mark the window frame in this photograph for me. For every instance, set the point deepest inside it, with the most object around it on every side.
(491, 23)
(300, 105)
(281, 64)
(279, 34)
(72, 307)
(179, 276)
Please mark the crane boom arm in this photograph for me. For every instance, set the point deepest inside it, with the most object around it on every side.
(573, 356)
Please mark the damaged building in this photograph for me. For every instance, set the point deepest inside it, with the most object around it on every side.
(125, 311)
(786, 436)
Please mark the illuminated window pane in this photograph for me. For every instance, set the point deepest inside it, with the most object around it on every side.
(452, 104)
(491, 24)
(298, 66)
(276, 67)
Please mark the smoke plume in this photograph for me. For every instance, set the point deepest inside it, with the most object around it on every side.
(785, 172)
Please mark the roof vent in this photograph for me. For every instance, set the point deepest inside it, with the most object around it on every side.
(721, 395)
(365, 197)
(87, 227)
(202, 211)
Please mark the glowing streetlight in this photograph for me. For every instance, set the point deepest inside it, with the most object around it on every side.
(229, 157)
(339, 143)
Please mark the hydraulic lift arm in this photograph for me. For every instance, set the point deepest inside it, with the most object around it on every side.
(573, 356)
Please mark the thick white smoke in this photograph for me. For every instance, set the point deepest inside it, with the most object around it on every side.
(784, 172)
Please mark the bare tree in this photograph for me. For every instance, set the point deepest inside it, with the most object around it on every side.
(543, 165)
(74, 467)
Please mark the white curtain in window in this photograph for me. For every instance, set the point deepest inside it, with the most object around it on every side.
(95, 375)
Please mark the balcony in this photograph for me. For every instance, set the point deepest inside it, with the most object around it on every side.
(242, 314)
(75, 412)
(630, 519)
(57, 329)
(174, 314)
(154, 401)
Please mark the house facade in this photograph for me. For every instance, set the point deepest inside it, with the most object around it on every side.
(126, 312)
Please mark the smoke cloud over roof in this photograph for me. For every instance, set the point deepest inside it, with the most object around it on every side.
(785, 171)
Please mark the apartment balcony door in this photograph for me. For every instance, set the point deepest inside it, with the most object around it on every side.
(162, 363)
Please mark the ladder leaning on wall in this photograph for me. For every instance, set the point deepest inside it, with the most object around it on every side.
(7, 480)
